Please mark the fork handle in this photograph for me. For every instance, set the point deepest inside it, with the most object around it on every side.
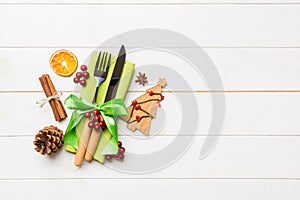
(83, 143)
(93, 143)
(96, 94)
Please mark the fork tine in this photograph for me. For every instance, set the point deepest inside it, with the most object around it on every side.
(104, 62)
(98, 60)
(108, 63)
(102, 59)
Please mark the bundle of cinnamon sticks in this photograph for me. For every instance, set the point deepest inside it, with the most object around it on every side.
(56, 105)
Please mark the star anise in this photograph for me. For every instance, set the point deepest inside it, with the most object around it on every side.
(141, 79)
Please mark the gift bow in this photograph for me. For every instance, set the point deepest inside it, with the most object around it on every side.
(108, 110)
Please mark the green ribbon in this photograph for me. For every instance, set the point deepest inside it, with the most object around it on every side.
(109, 110)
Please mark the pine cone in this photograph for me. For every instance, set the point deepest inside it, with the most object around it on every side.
(48, 140)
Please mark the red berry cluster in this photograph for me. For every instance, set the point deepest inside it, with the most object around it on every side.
(84, 74)
(119, 155)
(96, 122)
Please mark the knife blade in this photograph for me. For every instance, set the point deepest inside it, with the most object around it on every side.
(114, 82)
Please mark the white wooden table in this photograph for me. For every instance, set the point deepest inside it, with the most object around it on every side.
(255, 45)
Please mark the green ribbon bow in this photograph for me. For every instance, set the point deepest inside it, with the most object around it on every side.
(108, 110)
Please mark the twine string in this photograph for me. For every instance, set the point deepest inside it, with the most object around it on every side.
(42, 102)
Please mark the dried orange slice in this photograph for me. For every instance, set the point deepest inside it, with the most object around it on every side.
(63, 62)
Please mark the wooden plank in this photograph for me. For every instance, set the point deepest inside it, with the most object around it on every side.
(208, 25)
(240, 69)
(25, 103)
(234, 157)
(246, 114)
(153, 189)
(150, 2)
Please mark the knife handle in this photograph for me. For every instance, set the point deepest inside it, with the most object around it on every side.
(93, 143)
(83, 143)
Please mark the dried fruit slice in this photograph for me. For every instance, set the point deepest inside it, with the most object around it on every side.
(63, 62)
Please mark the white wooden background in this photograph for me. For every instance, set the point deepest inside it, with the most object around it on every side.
(255, 45)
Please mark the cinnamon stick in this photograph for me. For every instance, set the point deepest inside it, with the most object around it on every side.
(59, 106)
(56, 105)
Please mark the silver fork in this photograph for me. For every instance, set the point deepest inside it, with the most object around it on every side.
(100, 75)
(100, 72)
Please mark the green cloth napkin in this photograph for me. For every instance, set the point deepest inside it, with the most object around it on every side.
(88, 92)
